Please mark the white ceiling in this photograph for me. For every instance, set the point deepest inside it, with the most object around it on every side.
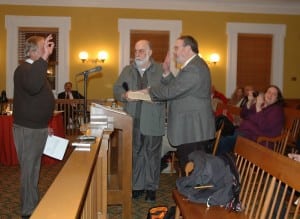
(243, 6)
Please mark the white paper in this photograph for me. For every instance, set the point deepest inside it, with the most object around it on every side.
(56, 147)
(82, 149)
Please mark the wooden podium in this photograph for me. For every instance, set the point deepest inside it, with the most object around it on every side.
(91, 180)
(119, 185)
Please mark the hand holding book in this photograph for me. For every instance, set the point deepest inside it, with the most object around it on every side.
(139, 95)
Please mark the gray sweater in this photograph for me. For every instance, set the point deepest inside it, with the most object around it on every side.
(33, 101)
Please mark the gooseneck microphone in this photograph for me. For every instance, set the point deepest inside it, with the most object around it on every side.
(89, 71)
(125, 86)
(3, 98)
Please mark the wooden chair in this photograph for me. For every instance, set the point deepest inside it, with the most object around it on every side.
(292, 122)
(278, 143)
(215, 147)
(217, 140)
(230, 111)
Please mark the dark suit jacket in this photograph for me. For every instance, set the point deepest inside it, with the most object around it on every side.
(190, 114)
(75, 94)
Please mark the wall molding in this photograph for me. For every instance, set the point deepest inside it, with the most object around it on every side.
(291, 7)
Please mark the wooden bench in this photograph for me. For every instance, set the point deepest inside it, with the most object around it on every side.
(269, 181)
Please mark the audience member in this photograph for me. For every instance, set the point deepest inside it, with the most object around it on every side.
(247, 90)
(191, 122)
(237, 97)
(148, 120)
(217, 97)
(33, 105)
(262, 116)
(68, 93)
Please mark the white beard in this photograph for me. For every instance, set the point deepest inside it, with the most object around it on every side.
(141, 63)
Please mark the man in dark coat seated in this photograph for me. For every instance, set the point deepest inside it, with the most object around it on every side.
(69, 114)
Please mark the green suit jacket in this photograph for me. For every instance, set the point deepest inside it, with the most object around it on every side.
(152, 116)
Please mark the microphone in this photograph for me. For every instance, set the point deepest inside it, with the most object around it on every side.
(125, 86)
(92, 70)
(3, 98)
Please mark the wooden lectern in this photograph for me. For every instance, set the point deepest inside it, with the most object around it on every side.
(91, 180)
(119, 185)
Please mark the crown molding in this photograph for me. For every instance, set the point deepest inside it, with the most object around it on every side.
(288, 7)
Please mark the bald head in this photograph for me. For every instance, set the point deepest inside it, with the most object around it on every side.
(142, 53)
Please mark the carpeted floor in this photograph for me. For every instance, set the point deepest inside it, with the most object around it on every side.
(10, 202)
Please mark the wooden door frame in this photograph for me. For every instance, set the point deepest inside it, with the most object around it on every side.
(276, 30)
(126, 25)
(12, 23)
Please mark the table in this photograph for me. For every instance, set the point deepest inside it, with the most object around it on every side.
(8, 154)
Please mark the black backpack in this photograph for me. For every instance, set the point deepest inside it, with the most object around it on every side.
(213, 181)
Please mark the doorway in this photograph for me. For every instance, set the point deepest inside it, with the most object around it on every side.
(159, 42)
(254, 60)
(277, 31)
(125, 26)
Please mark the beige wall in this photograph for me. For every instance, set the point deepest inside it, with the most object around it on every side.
(94, 29)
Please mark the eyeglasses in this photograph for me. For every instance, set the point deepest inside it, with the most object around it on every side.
(177, 47)
(140, 51)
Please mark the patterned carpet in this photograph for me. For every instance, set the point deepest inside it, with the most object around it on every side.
(10, 202)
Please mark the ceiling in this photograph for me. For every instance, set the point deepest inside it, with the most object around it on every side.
(241, 6)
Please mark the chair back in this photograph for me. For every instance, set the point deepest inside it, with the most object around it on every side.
(278, 143)
(217, 139)
(292, 122)
(189, 167)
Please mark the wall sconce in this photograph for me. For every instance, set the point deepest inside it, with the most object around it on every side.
(102, 57)
(83, 56)
(214, 58)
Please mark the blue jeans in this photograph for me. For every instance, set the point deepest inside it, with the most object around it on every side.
(227, 143)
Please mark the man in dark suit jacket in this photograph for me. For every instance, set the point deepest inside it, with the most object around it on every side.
(69, 93)
(191, 122)
(69, 111)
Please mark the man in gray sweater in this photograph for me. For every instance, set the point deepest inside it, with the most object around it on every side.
(33, 105)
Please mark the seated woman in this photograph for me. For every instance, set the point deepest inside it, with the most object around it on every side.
(261, 116)
(237, 97)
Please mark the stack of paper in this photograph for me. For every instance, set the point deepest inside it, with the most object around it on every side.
(83, 143)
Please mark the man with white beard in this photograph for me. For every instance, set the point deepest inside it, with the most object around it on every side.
(148, 120)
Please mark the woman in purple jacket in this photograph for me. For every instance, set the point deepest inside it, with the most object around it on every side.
(261, 116)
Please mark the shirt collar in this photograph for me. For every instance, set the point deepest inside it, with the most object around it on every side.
(187, 61)
(30, 61)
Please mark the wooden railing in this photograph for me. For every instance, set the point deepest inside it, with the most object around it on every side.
(80, 189)
(269, 187)
(89, 181)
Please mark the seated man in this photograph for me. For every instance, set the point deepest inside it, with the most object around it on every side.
(69, 111)
(69, 93)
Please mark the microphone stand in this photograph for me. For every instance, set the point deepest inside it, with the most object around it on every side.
(85, 77)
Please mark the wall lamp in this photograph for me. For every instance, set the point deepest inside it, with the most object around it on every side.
(214, 58)
(102, 57)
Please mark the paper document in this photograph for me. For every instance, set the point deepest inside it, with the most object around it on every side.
(82, 143)
(138, 95)
(56, 147)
